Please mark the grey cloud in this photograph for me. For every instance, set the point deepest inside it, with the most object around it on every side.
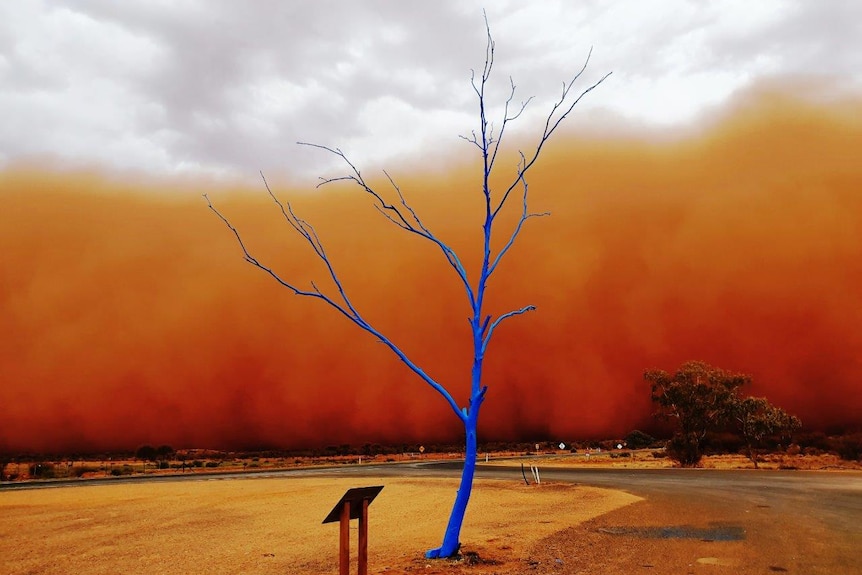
(185, 77)
(804, 37)
(215, 53)
(817, 37)
(228, 87)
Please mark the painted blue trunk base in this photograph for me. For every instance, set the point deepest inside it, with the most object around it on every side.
(451, 540)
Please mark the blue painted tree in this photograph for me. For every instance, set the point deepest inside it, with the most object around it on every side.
(399, 213)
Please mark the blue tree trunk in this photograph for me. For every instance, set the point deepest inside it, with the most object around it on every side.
(451, 540)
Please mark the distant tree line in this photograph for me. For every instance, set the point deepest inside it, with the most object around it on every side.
(150, 453)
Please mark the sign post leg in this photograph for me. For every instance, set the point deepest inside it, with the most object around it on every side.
(344, 547)
(363, 539)
(353, 504)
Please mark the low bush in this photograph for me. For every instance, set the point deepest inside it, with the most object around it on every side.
(816, 440)
(849, 447)
(684, 450)
(81, 471)
(124, 470)
(637, 439)
(723, 442)
(42, 470)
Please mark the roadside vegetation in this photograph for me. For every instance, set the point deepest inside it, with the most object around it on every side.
(704, 402)
(808, 450)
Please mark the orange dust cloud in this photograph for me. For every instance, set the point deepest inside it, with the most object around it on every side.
(129, 317)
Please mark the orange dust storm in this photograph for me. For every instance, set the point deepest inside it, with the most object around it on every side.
(129, 316)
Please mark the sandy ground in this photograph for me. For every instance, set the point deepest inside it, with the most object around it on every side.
(265, 525)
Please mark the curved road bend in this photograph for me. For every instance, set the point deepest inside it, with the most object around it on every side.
(807, 522)
(833, 498)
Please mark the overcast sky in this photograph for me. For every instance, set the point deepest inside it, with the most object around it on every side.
(225, 88)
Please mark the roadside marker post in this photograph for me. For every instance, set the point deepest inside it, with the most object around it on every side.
(353, 505)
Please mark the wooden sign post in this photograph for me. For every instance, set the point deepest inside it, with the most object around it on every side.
(353, 505)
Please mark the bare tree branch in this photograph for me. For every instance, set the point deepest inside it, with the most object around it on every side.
(394, 214)
(506, 119)
(525, 215)
(551, 125)
(499, 320)
(349, 311)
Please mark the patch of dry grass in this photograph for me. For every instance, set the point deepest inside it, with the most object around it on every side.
(273, 525)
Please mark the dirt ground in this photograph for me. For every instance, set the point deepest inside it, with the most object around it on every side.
(260, 525)
(266, 525)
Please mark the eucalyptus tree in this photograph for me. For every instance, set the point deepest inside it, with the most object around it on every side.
(757, 419)
(699, 397)
(396, 209)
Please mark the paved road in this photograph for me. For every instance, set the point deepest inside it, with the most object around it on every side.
(798, 521)
(835, 498)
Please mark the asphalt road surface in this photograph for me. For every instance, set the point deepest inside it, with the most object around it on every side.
(807, 522)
